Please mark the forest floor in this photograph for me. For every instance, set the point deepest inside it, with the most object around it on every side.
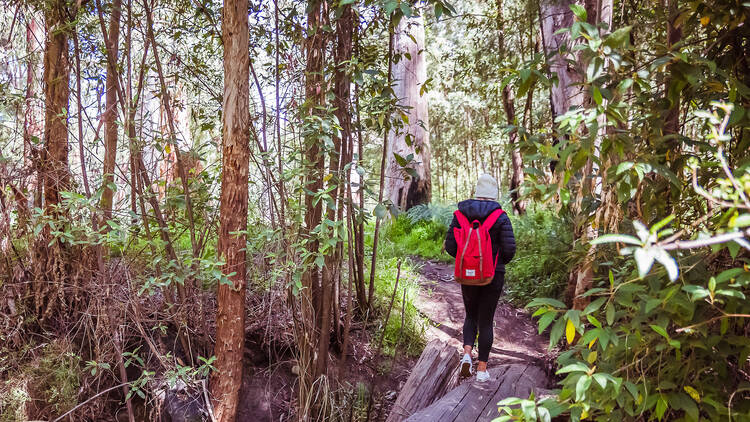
(269, 390)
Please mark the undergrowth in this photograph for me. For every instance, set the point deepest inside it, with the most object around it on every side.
(405, 328)
(543, 240)
(540, 267)
(47, 384)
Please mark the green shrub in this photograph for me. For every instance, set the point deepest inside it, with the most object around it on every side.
(419, 232)
(46, 386)
(409, 337)
(540, 267)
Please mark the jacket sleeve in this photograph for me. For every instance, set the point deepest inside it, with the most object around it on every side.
(507, 239)
(450, 239)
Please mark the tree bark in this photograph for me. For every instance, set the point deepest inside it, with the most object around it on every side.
(410, 72)
(308, 333)
(33, 124)
(110, 113)
(674, 35)
(567, 93)
(516, 179)
(230, 321)
(56, 94)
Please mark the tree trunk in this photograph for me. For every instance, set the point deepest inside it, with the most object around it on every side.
(516, 179)
(52, 264)
(581, 279)
(33, 125)
(332, 268)
(415, 187)
(433, 375)
(110, 113)
(555, 15)
(230, 321)
(56, 94)
(33, 122)
(674, 35)
(308, 333)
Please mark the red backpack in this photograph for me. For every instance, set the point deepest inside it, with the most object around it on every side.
(475, 265)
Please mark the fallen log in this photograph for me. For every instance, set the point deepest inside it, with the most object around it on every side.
(477, 401)
(435, 373)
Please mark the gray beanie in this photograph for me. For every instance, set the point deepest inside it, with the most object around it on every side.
(486, 187)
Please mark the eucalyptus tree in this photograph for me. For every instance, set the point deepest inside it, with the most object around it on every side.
(408, 179)
(230, 320)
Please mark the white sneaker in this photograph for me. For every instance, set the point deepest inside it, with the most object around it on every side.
(466, 369)
(483, 376)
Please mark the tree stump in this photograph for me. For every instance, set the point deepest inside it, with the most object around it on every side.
(434, 374)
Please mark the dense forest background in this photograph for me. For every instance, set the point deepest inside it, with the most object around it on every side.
(224, 207)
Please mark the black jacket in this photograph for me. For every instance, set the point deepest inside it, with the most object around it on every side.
(501, 232)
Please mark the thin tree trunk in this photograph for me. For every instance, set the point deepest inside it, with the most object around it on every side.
(110, 112)
(56, 93)
(279, 151)
(516, 179)
(172, 133)
(674, 35)
(230, 321)
(312, 306)
(33, 124)
(383, 158)
(84, 173)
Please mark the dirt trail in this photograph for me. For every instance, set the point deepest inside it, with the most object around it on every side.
(516, 338)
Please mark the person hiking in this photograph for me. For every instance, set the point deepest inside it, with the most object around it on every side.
(480, 301)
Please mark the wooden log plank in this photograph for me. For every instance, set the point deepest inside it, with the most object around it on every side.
(502, 385)
(531, 379)
(476, 391)
(473, 401)
(434, 375)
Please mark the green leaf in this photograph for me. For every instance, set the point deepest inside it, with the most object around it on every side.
(658, 226)
(618, 38)
(600, 379)
(594, 306)
(660, 330)
(556, 332)
(582, 387)
(729, 274)
(403, 162)
(596, 94)
(541, 301)
(652, 304)
(546, 320)
(611, 238)
(661, 406)
(610, 314)
(575, 367)
(379, 211)
(579, 11)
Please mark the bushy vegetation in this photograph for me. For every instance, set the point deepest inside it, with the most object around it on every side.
(48, 383)
(419, 232)
(405, 327)
(539, 269)
(541, 265)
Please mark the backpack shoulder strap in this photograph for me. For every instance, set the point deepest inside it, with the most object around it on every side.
(462, 220)
(492, 218)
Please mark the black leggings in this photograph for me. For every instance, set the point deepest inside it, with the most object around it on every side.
(480, 303)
